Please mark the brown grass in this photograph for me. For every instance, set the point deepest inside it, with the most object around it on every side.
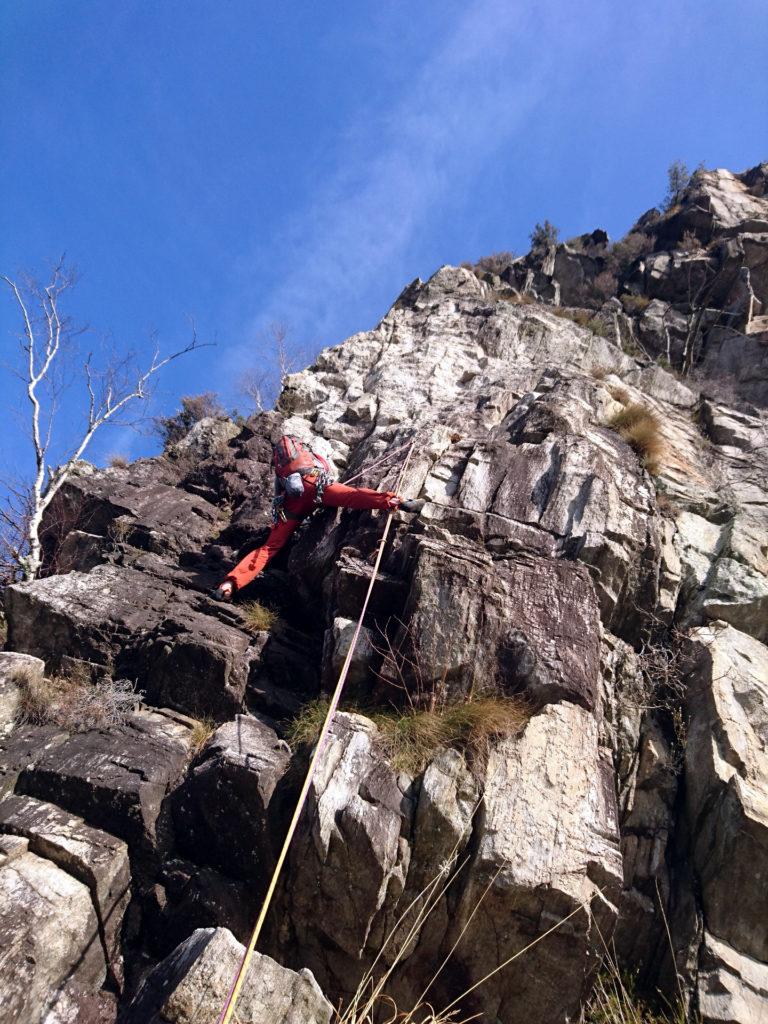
(635, 304)
(202, 731)
(641, 429)
(599, 372)
(614, 1001)
(411, 738)
(619, 393)
(118, 462)
(72, 701)
(258, 618)
(583, 318)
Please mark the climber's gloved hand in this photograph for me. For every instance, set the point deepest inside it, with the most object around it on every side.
(224, 591)
(411, 505)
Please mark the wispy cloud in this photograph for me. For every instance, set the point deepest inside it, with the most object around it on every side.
(472, 91)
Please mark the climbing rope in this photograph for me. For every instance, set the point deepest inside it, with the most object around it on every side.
(384, 458)
(234, 993)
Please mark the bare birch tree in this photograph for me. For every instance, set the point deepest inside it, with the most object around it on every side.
(262, 386)
(47, 346)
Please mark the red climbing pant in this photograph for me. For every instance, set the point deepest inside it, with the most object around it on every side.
(334, 496)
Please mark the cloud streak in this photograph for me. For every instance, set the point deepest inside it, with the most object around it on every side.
(466, 99)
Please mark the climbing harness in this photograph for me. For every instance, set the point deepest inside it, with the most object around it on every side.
(278, 512)
(321, 481)
(234, 993)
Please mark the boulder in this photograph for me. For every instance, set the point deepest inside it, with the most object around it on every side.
(727, 785)
(738, 594)
(722, 203)
(731, 988)
(544, 845)
(93, 857)
(347, 857)
(223, 809)
(137, 626)
(138, 505)
(739, 360)
(116, 780)
(192, 984)
(206, 438)
(338, 641)
(472, 623)
(49, 933)
(547, 849)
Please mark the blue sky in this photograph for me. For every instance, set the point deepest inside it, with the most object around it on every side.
(243, 162)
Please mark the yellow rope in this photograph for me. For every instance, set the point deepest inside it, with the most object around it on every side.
(234, 993)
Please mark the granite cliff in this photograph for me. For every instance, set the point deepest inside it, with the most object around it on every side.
(612, 583)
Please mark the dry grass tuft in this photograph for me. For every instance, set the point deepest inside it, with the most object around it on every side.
(641, 429)
(619, 394)
(73, 702)
(583, 318)
(614, 998)
(412, 737)
(515, 298)
(202, 731)
(118, 462)
(258, 618)
(422, 1014)
(599, 371)
(615, 1001)
(635, 304)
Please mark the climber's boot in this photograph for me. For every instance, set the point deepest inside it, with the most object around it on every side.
(412, 505)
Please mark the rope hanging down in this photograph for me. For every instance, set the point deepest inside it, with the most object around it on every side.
(234, 993)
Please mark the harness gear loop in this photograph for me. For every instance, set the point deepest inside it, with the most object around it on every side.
(234, 993)
(278, 512)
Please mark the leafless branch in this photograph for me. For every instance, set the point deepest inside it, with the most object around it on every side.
(47, 344)
(279, 359)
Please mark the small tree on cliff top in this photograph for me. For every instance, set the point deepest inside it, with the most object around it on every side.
(544, 235)
(49, 357)
(194, 408)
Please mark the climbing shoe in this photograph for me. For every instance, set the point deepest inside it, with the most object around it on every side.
(223, 592)
(412, 505)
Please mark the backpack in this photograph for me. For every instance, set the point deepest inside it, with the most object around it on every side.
(290, 455)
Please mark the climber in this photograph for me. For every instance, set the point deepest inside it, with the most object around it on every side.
(303, 482)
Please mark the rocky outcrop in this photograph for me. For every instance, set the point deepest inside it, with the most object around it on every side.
(192, 984)
(93, 857)
(727, 792)
(541, 845)
(49, 934)
(622, 613)
(233, 780)
(116, 781)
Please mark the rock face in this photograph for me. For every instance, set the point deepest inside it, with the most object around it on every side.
(727, 812)
(95, 858)
(49, 933)
(623, 615)
(192, 984)
(233, 780)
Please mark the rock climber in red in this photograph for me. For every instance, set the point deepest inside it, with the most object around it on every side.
(302, 482)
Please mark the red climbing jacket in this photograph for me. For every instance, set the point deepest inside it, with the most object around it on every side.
(294, 457)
